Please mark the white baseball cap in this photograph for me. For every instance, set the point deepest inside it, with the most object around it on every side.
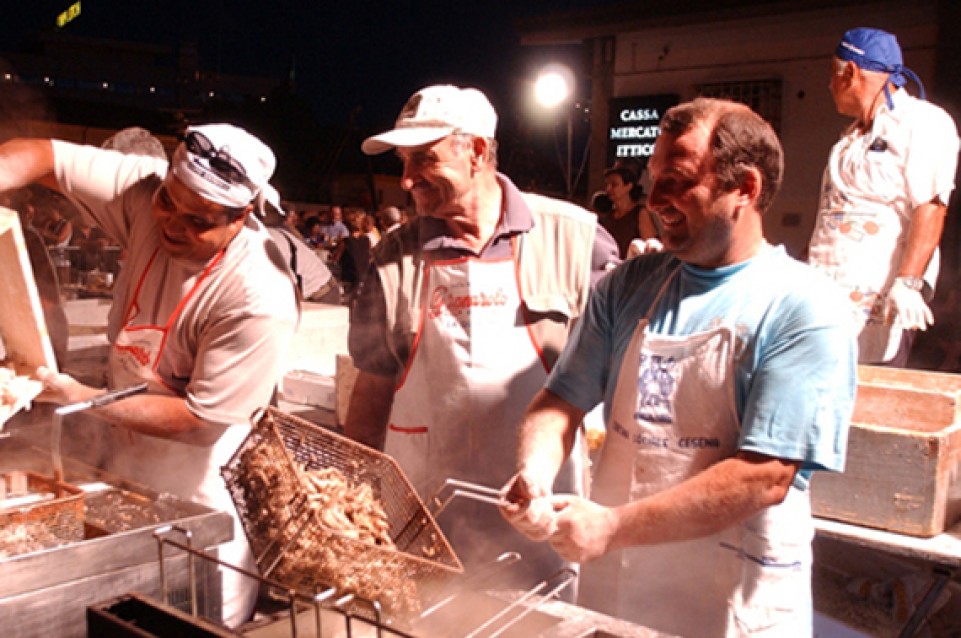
(434, 113)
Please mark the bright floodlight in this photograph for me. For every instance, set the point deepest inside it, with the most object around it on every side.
(554, 85)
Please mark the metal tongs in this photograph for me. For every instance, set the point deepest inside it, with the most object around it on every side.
(70, 408)
(474, 492)
(465, 489)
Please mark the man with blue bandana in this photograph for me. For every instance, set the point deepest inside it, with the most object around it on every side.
(204, 308)
(884, 195)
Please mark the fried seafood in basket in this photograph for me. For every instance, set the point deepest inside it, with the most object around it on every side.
(349, 509)
(322, 511)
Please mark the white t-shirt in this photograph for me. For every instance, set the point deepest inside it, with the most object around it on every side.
(908, 158)
(306, 264)
(225, 349)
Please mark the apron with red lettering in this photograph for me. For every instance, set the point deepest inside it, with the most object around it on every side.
(473, 369)
(188, 471)
(673, 415)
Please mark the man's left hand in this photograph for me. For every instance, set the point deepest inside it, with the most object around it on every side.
(906, 307)
(584, 529)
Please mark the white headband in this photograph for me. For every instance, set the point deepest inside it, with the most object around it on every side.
(223, 164)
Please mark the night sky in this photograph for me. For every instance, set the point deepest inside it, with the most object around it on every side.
(344, 55)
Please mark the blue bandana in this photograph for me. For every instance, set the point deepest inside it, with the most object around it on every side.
(877, 50)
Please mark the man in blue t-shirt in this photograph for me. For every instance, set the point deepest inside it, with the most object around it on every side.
(727, 371)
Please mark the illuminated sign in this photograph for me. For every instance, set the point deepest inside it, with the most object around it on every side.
(634, 125)
(72, 12)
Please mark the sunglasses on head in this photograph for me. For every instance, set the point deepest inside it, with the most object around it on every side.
(220, 160)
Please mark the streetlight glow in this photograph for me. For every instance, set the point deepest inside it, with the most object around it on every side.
(554, 85)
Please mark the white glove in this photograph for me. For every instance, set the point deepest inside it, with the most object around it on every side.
(906, 307)
(644, 247)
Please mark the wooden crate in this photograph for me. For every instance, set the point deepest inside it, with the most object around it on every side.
(904, 455)
(22, 326)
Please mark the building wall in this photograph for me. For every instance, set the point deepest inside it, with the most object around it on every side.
(76, 133)
(795, 48)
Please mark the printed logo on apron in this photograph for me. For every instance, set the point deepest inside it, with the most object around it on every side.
(453, 306)
(655, 387)
(139, 350)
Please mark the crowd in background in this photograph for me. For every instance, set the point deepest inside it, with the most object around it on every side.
(82, 255)
(85, 260)
(344, 237)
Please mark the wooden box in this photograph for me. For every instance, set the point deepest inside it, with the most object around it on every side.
(904, 455)
(24, 341)
(22, 326)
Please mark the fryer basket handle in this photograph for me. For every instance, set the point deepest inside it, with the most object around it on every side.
(464, 489)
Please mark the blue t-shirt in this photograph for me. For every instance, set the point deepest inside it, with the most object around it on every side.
(796, 354)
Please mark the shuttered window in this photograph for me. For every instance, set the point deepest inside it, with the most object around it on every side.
(763, 96)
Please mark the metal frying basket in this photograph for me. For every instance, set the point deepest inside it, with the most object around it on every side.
(293, 546)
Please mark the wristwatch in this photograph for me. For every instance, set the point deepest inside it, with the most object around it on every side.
(911, 282)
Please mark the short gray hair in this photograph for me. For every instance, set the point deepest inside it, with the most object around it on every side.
(465, 140)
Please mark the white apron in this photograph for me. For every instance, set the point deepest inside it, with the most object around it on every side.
(673, 415)
(860, 236)
(473, 369)
(190, 472)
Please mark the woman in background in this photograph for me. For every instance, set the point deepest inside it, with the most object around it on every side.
(628, 219)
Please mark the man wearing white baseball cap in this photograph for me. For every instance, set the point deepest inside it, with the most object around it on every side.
(204, 308)
(463, 314)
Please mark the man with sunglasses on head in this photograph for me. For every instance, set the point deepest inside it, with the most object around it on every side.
(204, 308)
